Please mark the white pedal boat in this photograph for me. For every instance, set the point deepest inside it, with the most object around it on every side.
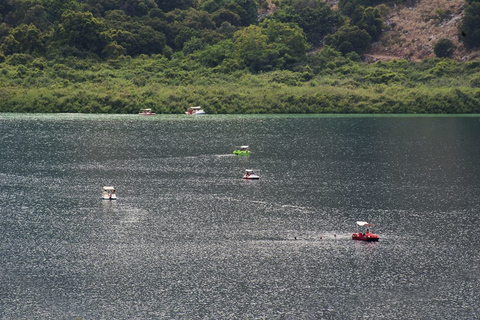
(251, 174)
(109, 193)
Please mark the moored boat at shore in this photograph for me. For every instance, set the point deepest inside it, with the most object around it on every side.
(195, 111)
(146, 112)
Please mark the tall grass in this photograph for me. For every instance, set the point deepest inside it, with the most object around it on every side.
(168, 86)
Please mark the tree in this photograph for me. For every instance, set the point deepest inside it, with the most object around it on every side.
(226, 28)
(237, 12)
(348, 39)
(117, 19)
(225, 15)
(469, 29)
(169, 5)
(315, 17)
(104, 6)
(184, 36)
(444, 48)
(4, 30)
(24, 39)
(113, 50)
(192, 45)
(269, 46)
(250, 9)
(56, 8)
(214, 55)
(14, 12)
(212, 5)
(125, 39)
(138, 7)
(370, 20)
(348, 7)
(289, 37)
(251, 48)
(10, 45)
(198, 19)
(38, 16)
(137, 39)
(82, 31)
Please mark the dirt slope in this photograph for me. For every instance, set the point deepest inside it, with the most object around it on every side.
(413, 31)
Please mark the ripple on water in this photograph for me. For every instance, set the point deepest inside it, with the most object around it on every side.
(188, 238)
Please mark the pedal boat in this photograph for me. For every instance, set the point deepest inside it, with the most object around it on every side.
(242, 151)
(109, 193)
(195, 111)
(251, 174)
(367, 235)
(146, 112)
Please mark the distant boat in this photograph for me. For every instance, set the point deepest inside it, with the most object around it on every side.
(109, 193)
(146, 112)
(367, 235)
(195, 111)
(242, 151)
(251, 174)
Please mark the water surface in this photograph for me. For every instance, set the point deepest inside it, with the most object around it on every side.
(189, 239)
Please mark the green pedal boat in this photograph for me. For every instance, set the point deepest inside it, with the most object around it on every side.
(242, 151)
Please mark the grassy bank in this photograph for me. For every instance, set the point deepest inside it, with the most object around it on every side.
(336, 85)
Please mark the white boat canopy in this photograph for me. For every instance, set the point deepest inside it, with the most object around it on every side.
(244, 147)
(363, 224)
(108, 188)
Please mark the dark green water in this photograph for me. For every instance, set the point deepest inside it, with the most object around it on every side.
(189, 239)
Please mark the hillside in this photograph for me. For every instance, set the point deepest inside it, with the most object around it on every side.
(412, 31)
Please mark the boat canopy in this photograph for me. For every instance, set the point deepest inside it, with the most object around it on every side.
(108, 188)
(146, 110)
(363, 224)
(196, 108)
(243, 147)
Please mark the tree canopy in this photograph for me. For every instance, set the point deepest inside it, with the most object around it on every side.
(469, 30)
(227, 35)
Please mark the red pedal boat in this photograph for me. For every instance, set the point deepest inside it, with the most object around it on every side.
(367, 235)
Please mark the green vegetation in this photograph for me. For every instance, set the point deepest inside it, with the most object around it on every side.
(327, 82)
(118, 56)
(444, 48)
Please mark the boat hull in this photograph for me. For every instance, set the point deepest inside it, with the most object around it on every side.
(251, 177)
(371, 237)
(201, 113)
(241, 153)
(109, 198)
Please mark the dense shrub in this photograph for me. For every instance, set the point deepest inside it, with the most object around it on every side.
(348, 39)
(444, 48)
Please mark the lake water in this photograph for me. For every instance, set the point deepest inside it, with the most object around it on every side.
(188, 238)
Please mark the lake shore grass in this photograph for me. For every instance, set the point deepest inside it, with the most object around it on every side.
(125, 86)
